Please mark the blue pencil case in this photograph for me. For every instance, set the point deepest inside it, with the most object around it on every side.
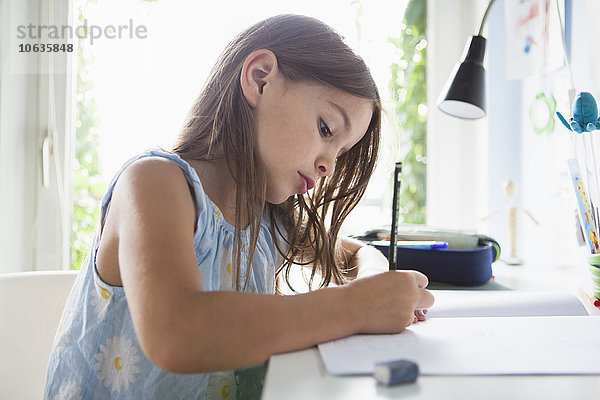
(466, 262)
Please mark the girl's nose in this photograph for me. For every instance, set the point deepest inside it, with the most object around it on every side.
(326, 167)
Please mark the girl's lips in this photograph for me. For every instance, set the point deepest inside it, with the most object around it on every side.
(307, 183)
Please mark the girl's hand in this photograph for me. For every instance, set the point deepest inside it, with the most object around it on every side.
(388, 302)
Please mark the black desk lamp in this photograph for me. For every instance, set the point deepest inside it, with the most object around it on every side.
(464, 93)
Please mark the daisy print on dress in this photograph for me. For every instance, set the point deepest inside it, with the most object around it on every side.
(226, 267)
(63, 332)
(100, 299)
(117, 363)
(221, 386)
(68, 391)
(62, 337)
(218, 218)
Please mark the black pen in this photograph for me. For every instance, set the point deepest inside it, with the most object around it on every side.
(395, 211)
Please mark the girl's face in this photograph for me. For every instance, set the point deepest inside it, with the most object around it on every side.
(302, 127)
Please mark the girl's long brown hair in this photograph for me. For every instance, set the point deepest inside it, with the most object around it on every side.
(220, 124)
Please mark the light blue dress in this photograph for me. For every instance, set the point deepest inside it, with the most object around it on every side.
(96, 354)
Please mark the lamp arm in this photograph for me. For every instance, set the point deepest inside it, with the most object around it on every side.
(487, 10)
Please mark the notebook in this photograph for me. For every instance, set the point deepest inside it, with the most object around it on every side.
(483, 333)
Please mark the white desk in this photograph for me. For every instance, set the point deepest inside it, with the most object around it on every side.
(301, 375)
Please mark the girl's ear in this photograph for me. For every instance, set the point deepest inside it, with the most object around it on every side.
(258, 69)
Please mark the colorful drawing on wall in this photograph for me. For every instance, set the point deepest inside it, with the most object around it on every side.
(530, 26)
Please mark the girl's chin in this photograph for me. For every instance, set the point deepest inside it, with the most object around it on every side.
(277, 201)
(278, 198)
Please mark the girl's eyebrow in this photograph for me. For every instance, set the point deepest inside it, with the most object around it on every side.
(344, 114)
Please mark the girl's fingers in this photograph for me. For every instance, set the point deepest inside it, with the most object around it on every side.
(425, 301)
(422, 280)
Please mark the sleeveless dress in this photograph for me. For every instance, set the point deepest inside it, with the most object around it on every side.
(96, 354)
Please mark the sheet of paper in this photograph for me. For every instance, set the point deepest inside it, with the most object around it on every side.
(477, 346)
(532, 37)
(503, 303)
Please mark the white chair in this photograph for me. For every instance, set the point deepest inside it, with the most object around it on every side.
(31, 304)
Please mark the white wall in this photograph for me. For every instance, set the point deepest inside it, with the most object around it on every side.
(536, 162)
(468, 161)
(457, 156)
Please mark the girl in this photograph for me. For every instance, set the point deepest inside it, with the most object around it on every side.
(177, 296)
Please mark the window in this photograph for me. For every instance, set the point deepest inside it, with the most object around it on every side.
(133, 93)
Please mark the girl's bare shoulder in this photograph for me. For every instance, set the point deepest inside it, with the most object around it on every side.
(154, 185)
(152, 169)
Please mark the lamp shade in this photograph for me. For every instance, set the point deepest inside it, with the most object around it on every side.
(464, 93)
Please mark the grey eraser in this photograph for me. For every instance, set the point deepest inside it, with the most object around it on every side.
(396, 372)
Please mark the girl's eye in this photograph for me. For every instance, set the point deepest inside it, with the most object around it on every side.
(324, 129)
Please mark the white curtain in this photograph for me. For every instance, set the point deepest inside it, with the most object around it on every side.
(35, 99)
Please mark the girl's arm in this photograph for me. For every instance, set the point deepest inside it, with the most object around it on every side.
(182, 328)
(362, 260)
